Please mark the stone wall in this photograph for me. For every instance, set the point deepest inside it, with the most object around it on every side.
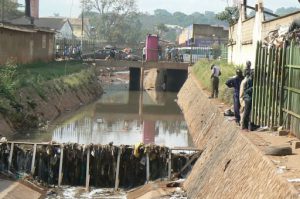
(230, 166)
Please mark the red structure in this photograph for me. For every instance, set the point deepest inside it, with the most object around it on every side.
(32, 8)
(34, 5)
(149, 132)
(152, 48)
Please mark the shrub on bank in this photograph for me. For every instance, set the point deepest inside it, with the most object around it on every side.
(203, 72)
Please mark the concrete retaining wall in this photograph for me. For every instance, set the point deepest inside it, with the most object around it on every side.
(230, 166)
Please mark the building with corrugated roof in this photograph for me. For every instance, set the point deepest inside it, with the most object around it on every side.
(25, 44)
(62, 26)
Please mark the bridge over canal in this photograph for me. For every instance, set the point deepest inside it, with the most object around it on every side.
(175, 72)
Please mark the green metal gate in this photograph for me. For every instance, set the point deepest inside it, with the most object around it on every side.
(276, 94)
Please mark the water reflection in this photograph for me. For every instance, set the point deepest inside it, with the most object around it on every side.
(123, 117)
(119, 132)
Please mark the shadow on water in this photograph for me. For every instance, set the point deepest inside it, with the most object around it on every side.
(122, 117)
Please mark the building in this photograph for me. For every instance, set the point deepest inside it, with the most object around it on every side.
(244, 35)
(201, 35)
(76, 24)
(25, 44)
(61, 25)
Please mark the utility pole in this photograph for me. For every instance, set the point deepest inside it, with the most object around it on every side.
(2, 11)
(82, 25)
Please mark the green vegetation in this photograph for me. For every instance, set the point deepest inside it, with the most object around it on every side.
(44, 79)
(230, 15)
(9, 9)
(133, 26)
(285, 11)
(40, 72)
(203, 73)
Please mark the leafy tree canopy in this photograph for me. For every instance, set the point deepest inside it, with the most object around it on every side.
(230, 15)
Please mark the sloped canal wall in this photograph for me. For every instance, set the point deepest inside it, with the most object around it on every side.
(230, 165)
(38, 105)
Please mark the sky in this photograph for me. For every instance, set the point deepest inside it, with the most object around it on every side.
(71, 8)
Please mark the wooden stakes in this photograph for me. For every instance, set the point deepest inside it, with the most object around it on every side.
(10, 156)
(147, 168)
(60, 174)
(33, 159)
(170, 164)
(118, 170)
(87, 179)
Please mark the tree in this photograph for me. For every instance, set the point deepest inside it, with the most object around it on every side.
(115, 18)
(230, 15)
(162, 13)
(285, 11)
(161, 29)
(9, 10)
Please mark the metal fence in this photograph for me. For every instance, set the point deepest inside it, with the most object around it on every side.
(276, 91)
(66, 46)
(291, 89)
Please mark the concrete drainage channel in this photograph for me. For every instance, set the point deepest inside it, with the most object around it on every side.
(96, 166)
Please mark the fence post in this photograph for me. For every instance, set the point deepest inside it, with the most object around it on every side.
(255, 86)
(269, 87)
(118, 170)
(33, 159)
(147, 167)
(87, 179)
(60, 174)
(170, 164)
(275, 91)
(291, 56)
(281, 84)
(10, 155)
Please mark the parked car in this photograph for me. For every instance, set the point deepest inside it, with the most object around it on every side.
(132, 57)
(99, 54)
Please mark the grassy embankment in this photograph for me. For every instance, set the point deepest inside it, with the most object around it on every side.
(14, 78)
(202, 71)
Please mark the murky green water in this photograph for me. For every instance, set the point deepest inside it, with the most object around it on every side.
(121, 117)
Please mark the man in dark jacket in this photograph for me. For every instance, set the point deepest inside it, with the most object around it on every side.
(248, 101)
(235, 83)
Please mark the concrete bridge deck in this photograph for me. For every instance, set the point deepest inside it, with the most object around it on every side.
(141, 64)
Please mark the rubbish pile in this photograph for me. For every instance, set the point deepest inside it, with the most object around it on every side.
(284, 33)
(42, 162)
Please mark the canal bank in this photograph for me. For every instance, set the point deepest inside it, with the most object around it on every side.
(232, 165)
(37, 105)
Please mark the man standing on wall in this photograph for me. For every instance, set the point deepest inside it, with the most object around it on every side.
(215, 73)
(235, 83)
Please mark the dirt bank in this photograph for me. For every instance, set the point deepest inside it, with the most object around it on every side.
(231, 166)
(35, 106)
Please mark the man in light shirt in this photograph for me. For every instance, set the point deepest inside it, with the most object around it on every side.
(247, 75)
(215, 73)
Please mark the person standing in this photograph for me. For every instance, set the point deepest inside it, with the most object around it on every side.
(144, 54)
(215, 73)
(246, 125)
(247, 74)
(235, 83)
